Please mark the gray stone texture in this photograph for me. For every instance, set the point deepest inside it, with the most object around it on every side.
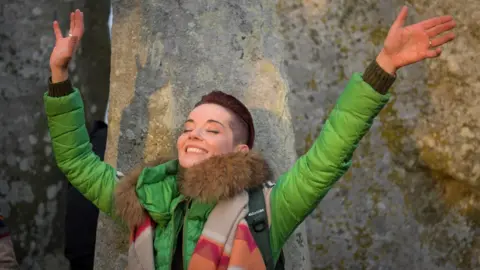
(410, 201)
(31, 187)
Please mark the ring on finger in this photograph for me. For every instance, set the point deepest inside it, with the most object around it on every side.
(429, 43)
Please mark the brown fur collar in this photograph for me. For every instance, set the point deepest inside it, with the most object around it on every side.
(218, 178)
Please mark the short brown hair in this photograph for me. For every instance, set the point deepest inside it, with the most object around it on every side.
(237, 107)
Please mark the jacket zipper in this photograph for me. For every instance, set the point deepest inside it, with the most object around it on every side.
(174, 240)
(172, 250)
(184, 244)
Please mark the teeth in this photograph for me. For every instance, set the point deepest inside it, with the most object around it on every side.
(194, 150)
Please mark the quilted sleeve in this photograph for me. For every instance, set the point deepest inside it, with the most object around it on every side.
(94, 178)
(299, 190)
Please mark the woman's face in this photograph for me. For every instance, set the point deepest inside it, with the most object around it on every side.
(207, 132)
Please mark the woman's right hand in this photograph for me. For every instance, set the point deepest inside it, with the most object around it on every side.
(65, 47)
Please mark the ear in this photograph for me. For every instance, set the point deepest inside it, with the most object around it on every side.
(242, 148)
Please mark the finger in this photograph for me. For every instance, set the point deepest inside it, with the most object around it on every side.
(442, 40)
(434, 53)
(427, 24)
(72, 22)
(72, 44)
(57, 31)
(402, 16)
(78, 23)
(434, 31)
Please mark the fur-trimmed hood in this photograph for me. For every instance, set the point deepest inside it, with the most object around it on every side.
(218, 178)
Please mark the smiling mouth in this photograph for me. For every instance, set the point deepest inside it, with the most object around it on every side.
(195, 150)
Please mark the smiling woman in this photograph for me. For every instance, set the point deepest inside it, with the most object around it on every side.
(219, 124)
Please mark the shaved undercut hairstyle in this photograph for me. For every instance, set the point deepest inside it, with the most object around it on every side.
(242, 126)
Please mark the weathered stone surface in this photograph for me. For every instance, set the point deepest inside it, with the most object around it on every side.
(31, 186)
(411, 199)
(166, 54)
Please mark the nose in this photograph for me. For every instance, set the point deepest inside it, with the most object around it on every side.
(195, 134)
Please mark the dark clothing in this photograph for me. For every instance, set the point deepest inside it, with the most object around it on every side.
(82, 215)
(177, 262)
(7, 254)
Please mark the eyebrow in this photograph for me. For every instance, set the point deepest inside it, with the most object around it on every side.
(208, 121)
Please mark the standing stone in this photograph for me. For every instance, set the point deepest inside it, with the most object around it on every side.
(411, 199)
(31, 187)
(165, 56)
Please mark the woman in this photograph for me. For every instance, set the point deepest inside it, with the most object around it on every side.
(189, 212)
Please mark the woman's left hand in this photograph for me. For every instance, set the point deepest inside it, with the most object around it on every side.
(407, 45)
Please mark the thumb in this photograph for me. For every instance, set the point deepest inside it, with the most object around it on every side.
(400, 20)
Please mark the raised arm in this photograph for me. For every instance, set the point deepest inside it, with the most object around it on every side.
(95, 179)
(299, 190)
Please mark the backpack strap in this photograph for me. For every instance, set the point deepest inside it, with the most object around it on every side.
(258, 222)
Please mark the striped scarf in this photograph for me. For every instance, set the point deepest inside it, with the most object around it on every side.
(225, 243)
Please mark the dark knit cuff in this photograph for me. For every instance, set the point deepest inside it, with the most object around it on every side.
(379, 79)
(59, 89)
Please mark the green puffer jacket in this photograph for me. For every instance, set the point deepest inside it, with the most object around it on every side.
(296, 194)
